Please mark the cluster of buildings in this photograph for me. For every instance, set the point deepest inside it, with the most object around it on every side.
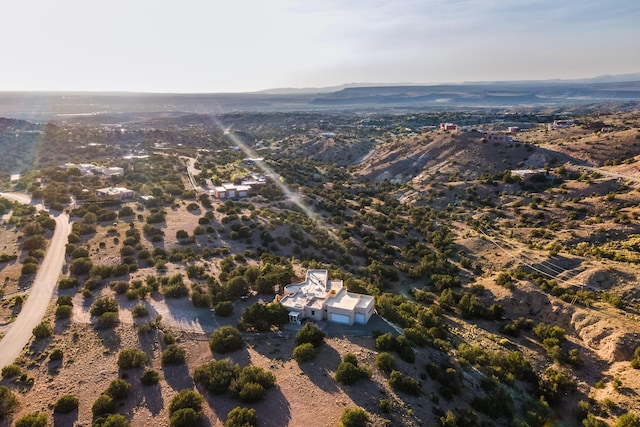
(89, 169)
(115, 192)
(236, 191)
(318, 298)
(561, 124)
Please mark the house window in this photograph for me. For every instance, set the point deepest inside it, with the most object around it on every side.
(313, 313)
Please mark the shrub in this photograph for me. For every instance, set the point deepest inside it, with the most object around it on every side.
(118, 389)
(103, 305)
(112, 420)
(64, 300)
(628, 420)
(225, 339)
(216, 375)
(251, 384)
(131, 358)
(150, 377)
(385, 362)
(261, 317)
(173, 355)
(187, 398)
(10, 371)
(140, 310)
(186, 417)
(36, 419)
(56, 354)
(241, 417)
(385, 405)
(304, 353)
(224, 309)
(103, 405)
(8, 402)
(108, 319)
(354, 417)
(42, 330)
(555, 384)
(63, 311)
(309, 333)
(66, 404)
(402, 382)
(348, 373)
(385, 342)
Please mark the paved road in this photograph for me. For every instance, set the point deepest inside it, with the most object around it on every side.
(42, 289)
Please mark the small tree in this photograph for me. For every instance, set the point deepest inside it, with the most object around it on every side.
(304, 353)
(150, 377)
(8, 402)
(385, 362)
(354, 417)
(241, 417)
(42, 330)
(10, 371)
(185, 417)
(112, 420)
(103, 405)
(173, 355)
(187, 398)
(216, 375)
(225, 340)
(66, 404)
(131, 358)
(309, 333)
(103, 305)
(36, 419)
(628, 420)
(224, 309)
(118, 389)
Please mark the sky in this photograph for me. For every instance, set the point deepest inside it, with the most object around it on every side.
(210, 46)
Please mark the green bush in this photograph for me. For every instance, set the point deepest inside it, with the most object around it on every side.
(131, 358)
(63, 311)
(304, 353)
(103, 305)
(241, 417)
(118, 389)
(108, 319)
(262, 317)
(402, 382)
(216, 376)
(36, 419)
(8, 402)
(349, 373)
(385, 362)
(112, 420)
(150, 377)
(628, 420)
(103, 405)
(42, 330)
(224, 309)
(64, 300)
(139, 310)
(10, 371)
(187, 398)
(309, 333)
(251, 384)
(226, 339)
(554, 384)
(66, 404)
(56, 354)
(354, 417)
(185, 417)
(174, 355)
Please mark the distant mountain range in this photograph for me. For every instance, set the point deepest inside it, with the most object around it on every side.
(355, 97)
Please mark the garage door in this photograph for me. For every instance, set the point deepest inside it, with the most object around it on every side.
(339, 318)
(360, 319)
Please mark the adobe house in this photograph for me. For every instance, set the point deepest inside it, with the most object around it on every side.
(318, 298)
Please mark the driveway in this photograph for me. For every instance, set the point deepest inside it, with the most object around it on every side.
(42, 289)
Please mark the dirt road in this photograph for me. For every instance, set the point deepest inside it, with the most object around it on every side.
(42, 289)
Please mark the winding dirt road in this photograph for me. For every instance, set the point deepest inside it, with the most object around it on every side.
(42, 289)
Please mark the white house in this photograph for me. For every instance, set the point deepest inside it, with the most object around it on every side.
(117, 192)
(318, 298)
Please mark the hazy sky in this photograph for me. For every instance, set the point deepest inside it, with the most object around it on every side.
(247, 45)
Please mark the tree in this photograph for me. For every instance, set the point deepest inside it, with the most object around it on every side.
(150, 377)
(628, 420)
(103, 305)
(224, 309)
(304, 352)
(118, 389)
(173, 355)
(216, 375)
(187, 398)
(103, 405)
(42, 330)
(8, 402)
(225, 339)
(66, 404)
(35, 419)
(131, 358)
(185, 417)
(309, 333)
(241, 417)
(385, 362)
(112, 420)
(354, 417)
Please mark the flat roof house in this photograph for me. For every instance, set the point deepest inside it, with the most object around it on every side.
(318, 298)
(118, 192)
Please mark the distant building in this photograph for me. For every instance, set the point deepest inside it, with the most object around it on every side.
(251, 162)
(496, 137)
(513, 129)
(527, 174)
(318, 298)
(561, 124)
(448, 127)
(116, 192)
(113, 171)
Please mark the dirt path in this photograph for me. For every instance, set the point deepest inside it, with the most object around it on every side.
(41, 291)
